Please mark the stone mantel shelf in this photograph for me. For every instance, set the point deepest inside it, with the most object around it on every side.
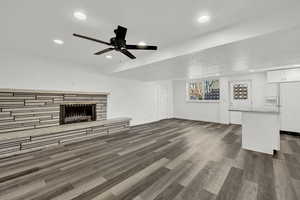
(79, 102)
(51, 91)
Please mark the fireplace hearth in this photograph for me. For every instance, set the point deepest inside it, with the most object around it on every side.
(75, 113)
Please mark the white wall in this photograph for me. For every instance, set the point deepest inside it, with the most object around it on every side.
(190, 110)
(217, 112)
(128, 98)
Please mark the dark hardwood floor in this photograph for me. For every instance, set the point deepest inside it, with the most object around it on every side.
(171, 159)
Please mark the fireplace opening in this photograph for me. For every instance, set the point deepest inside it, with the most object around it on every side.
(74, 113)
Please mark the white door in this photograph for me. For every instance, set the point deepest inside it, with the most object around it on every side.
(164, 101)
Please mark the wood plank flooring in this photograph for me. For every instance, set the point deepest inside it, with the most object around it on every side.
(170, 159)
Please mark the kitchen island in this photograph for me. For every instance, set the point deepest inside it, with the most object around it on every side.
(260, 129)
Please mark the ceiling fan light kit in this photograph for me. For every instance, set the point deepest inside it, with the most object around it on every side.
(118, 43)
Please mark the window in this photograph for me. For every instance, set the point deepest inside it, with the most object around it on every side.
(240, 91)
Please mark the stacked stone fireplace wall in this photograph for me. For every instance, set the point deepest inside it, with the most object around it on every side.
(24, 110)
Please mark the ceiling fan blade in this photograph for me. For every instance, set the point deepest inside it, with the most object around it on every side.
(127, 53)
(140, 47)
(92, 39)
(104, 51)
(121, 32)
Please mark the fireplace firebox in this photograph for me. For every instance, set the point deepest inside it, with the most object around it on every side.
(74, 113)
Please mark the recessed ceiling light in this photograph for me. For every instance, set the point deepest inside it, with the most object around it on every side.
(108, 56)
(142, 43)
(251, 70)
(80, 16)
(58, 41)
(204, 19)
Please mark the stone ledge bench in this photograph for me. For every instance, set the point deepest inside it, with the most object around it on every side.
(21, 141)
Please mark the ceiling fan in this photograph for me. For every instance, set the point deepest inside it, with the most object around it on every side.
(118, 43)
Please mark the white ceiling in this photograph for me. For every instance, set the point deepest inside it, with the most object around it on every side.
(29, 26)
(271, 51)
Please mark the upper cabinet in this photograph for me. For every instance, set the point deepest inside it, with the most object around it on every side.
(281, 76)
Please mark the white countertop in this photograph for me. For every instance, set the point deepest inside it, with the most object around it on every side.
(274, 110)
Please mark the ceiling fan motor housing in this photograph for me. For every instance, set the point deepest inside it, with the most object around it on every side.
(118, 43)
